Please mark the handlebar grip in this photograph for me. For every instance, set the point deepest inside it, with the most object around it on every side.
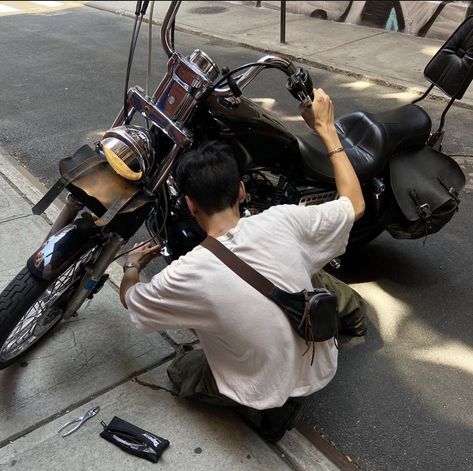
(300, 86)
(309, 86)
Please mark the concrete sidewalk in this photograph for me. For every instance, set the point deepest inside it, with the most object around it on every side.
(99, 358)
(392, 59)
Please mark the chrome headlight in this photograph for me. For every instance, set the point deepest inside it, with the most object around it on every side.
(128, 150)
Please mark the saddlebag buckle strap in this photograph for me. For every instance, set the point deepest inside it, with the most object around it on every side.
(423, 209)
(452, 191)
(88, 159)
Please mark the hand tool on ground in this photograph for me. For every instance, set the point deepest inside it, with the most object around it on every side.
(79, 421)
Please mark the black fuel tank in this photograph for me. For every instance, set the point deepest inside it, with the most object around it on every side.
(264, 138)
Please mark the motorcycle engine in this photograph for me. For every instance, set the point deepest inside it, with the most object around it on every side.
(266, 188)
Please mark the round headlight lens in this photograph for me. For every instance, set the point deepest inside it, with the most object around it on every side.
(128, 151)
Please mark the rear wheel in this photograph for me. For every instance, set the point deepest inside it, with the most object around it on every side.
(30, 308)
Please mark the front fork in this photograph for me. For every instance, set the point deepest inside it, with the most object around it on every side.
(67, 215)
(94, 275)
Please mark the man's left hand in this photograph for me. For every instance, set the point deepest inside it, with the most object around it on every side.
(141, 256)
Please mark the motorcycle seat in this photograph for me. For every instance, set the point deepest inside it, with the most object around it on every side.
(369, 139)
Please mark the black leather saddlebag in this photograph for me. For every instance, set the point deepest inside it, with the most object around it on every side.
(426, 186)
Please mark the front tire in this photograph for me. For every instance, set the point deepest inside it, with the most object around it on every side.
(30, 308)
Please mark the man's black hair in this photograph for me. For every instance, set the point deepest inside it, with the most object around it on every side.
(209, 175)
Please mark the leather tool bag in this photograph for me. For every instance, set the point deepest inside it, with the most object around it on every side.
(426, 186)
(312, 314)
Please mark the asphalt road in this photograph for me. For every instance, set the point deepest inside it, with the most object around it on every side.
(402, 397)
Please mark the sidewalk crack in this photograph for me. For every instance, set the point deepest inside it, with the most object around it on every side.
(153, 386)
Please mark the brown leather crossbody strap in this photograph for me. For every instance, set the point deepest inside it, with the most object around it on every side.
(238, 266)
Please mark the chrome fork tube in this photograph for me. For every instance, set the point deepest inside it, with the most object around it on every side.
(165, 168)
(94, 274)
(67, 215)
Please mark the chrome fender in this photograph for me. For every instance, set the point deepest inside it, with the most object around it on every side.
(62, 249)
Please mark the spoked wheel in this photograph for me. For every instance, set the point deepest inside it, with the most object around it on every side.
(30, 308)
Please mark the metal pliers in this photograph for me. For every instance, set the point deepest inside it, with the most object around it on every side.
(79, 420)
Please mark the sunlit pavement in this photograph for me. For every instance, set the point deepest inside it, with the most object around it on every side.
(40, 7)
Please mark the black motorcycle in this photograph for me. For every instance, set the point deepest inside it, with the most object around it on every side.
(411, 189)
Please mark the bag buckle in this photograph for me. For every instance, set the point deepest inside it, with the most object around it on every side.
(424, 211)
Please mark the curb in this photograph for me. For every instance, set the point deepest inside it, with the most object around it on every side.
(415, 89)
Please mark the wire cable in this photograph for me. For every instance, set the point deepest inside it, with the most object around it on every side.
(134, 41)
(150, 45)
(153, 236)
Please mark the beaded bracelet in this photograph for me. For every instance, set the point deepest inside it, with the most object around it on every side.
(336, 151)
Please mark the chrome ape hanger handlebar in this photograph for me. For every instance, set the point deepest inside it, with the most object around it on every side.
(188, 81)
(167, 28)
(167, 42)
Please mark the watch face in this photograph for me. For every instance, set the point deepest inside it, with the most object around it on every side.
(129, 265)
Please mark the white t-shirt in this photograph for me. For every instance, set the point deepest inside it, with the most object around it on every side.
(254, 354)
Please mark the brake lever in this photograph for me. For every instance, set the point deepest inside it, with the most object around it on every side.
(300, 86)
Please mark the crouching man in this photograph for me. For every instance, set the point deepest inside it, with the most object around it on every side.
(251, 358)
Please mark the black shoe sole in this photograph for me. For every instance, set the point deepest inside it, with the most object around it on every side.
(288, 425)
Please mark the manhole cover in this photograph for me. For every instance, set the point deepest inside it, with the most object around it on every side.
(208, 10)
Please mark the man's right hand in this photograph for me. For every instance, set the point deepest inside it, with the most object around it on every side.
(319, 116)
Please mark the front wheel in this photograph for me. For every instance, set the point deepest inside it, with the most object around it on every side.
(30, 308)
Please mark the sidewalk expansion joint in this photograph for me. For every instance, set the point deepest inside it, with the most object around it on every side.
(81, 402)
(15, 218)
(351, 42)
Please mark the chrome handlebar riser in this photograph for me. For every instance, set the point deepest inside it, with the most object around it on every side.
(184, 84)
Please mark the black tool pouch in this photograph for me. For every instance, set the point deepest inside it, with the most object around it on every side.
(134, 440)
(312, 314)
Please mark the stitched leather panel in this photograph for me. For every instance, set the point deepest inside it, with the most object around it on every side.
(451, 69)
(369, 140)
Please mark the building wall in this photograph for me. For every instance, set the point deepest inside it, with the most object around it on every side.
(434, 19)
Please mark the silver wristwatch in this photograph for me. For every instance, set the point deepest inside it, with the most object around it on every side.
(130, 265)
